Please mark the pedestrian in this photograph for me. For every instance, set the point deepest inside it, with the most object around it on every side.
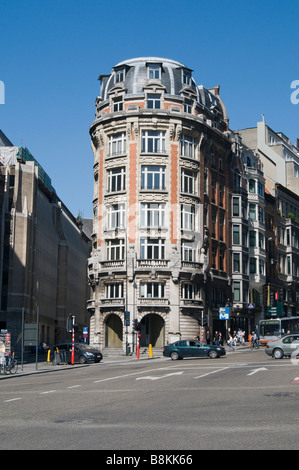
(242, 337)
(208, 337)
(216, 338)
(220, 339)
(230, 343)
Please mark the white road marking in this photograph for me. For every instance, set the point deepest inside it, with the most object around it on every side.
(12, 399)
(254, 371)
(148, 377)
(49, 391)
(75, 386)
(213, 372)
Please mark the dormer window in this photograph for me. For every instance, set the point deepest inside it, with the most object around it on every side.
(118, 104)
(154, 71)
(186, 79)
(119, 75)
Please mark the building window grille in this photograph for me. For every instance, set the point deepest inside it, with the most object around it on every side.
(153, 141)
(117, 144)
(153, 177)
(152, 215)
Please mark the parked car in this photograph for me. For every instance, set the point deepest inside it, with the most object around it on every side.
(83, 353)
(192, 348)
(283, 346)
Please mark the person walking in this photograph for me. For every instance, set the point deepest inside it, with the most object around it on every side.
(230, 343)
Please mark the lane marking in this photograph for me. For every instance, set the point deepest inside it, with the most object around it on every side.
(75, 386)
(49, 391)
(213, 372)
(254, 371)
(12, 399)
(148, 377)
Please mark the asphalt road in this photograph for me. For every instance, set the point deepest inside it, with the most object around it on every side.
(245, 400)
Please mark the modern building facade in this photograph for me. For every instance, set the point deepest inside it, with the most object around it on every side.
(44, 252)
(280, 163)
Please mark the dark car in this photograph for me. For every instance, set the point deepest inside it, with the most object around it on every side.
(192, 348)
(83, 353)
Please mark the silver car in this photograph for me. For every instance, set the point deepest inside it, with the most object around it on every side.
(284, 346)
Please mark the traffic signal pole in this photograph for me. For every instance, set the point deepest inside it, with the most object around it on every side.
(73, 347)
(138, 344)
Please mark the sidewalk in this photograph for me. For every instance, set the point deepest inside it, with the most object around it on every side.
(44, 367)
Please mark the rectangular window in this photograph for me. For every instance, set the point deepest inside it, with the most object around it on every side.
(118, 104)
(252, 238)
(152, 248)
(114, 291)
(237, 291)
(116, 180)
(152, 177)
(252, 211)
(154, 72)
(153, 141)
(153, 101)
(186, 78)
(188, 291)
(115, 250)
(151, 290)
(152, 215)
(236, 235)
(116, 216)
(187, 217)
(188, 181)
(252, 266)
(117, 144)
(119, 75)
(188, 251)
(188, 106)
(188, 147)
(236, 206)
(236, 262)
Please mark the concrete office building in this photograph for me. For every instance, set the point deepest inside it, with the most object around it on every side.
(44, 251)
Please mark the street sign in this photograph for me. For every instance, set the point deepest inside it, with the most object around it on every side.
(223, 313)
(251, 305)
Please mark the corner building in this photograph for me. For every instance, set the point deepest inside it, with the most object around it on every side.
(162, 184)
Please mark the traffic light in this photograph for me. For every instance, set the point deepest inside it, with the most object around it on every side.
(70, 323)
(136, 325)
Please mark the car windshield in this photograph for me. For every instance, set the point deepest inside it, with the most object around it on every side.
(85, 347)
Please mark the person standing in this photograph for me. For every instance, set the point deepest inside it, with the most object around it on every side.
(216, 338)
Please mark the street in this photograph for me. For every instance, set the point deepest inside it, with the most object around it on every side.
(245, 400)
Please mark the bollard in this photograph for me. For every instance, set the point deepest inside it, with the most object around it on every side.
(150, 351)
(48, 356)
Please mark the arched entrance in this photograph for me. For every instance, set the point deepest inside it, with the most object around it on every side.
(113, 332)
(152, 331)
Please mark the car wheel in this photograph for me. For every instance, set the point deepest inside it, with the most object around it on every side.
(278, 353)
(174, 355)
(82, 360)
(212, 354)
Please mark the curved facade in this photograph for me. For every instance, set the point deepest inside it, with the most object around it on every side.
(161, 237)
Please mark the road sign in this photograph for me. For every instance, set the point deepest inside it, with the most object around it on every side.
(251, 305)
(223, 313)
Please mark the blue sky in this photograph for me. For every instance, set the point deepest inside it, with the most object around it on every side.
(52, 52)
